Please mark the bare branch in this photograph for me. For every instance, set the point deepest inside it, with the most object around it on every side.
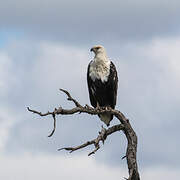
(70, 98)
(41, 114)
(101, 137)
(54, 117)
(124, 125)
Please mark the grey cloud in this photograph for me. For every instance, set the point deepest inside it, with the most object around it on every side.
(92, 21)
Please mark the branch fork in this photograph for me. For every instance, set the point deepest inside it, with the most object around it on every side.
(124, 126)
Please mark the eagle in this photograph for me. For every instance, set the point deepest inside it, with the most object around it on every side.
(102, 82)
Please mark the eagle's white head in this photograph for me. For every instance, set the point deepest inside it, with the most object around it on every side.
(99, 51)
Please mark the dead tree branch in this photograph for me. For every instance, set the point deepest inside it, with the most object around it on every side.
(124, 125)
(101, 137)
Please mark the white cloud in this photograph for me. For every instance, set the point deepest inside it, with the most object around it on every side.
(152, 70)
(165, 54)
(57, 65)
(70, 167)
(6, 76)
(160, 172)
(6, 122)
(56, 167)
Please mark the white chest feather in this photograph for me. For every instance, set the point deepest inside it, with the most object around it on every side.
(99, 70)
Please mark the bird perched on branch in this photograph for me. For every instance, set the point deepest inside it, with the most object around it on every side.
(102, 82)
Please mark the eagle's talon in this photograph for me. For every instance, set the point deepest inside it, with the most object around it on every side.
(98, 108)
(86, 106)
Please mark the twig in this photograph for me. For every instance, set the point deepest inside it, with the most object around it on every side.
(41, 114)
(70, 98)
(54, 117)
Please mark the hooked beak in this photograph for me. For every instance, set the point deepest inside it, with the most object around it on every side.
(91, 49)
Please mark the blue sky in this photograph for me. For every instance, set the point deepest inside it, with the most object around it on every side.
(7, 35)
(4, 38)
(44, 46)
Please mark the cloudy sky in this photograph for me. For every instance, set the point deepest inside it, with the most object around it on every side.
(44, 46)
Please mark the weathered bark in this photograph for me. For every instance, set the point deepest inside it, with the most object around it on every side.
(124, 126)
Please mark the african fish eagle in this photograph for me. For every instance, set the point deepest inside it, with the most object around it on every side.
(102, 82)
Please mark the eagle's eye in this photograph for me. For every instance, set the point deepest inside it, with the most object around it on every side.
(98, 48)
